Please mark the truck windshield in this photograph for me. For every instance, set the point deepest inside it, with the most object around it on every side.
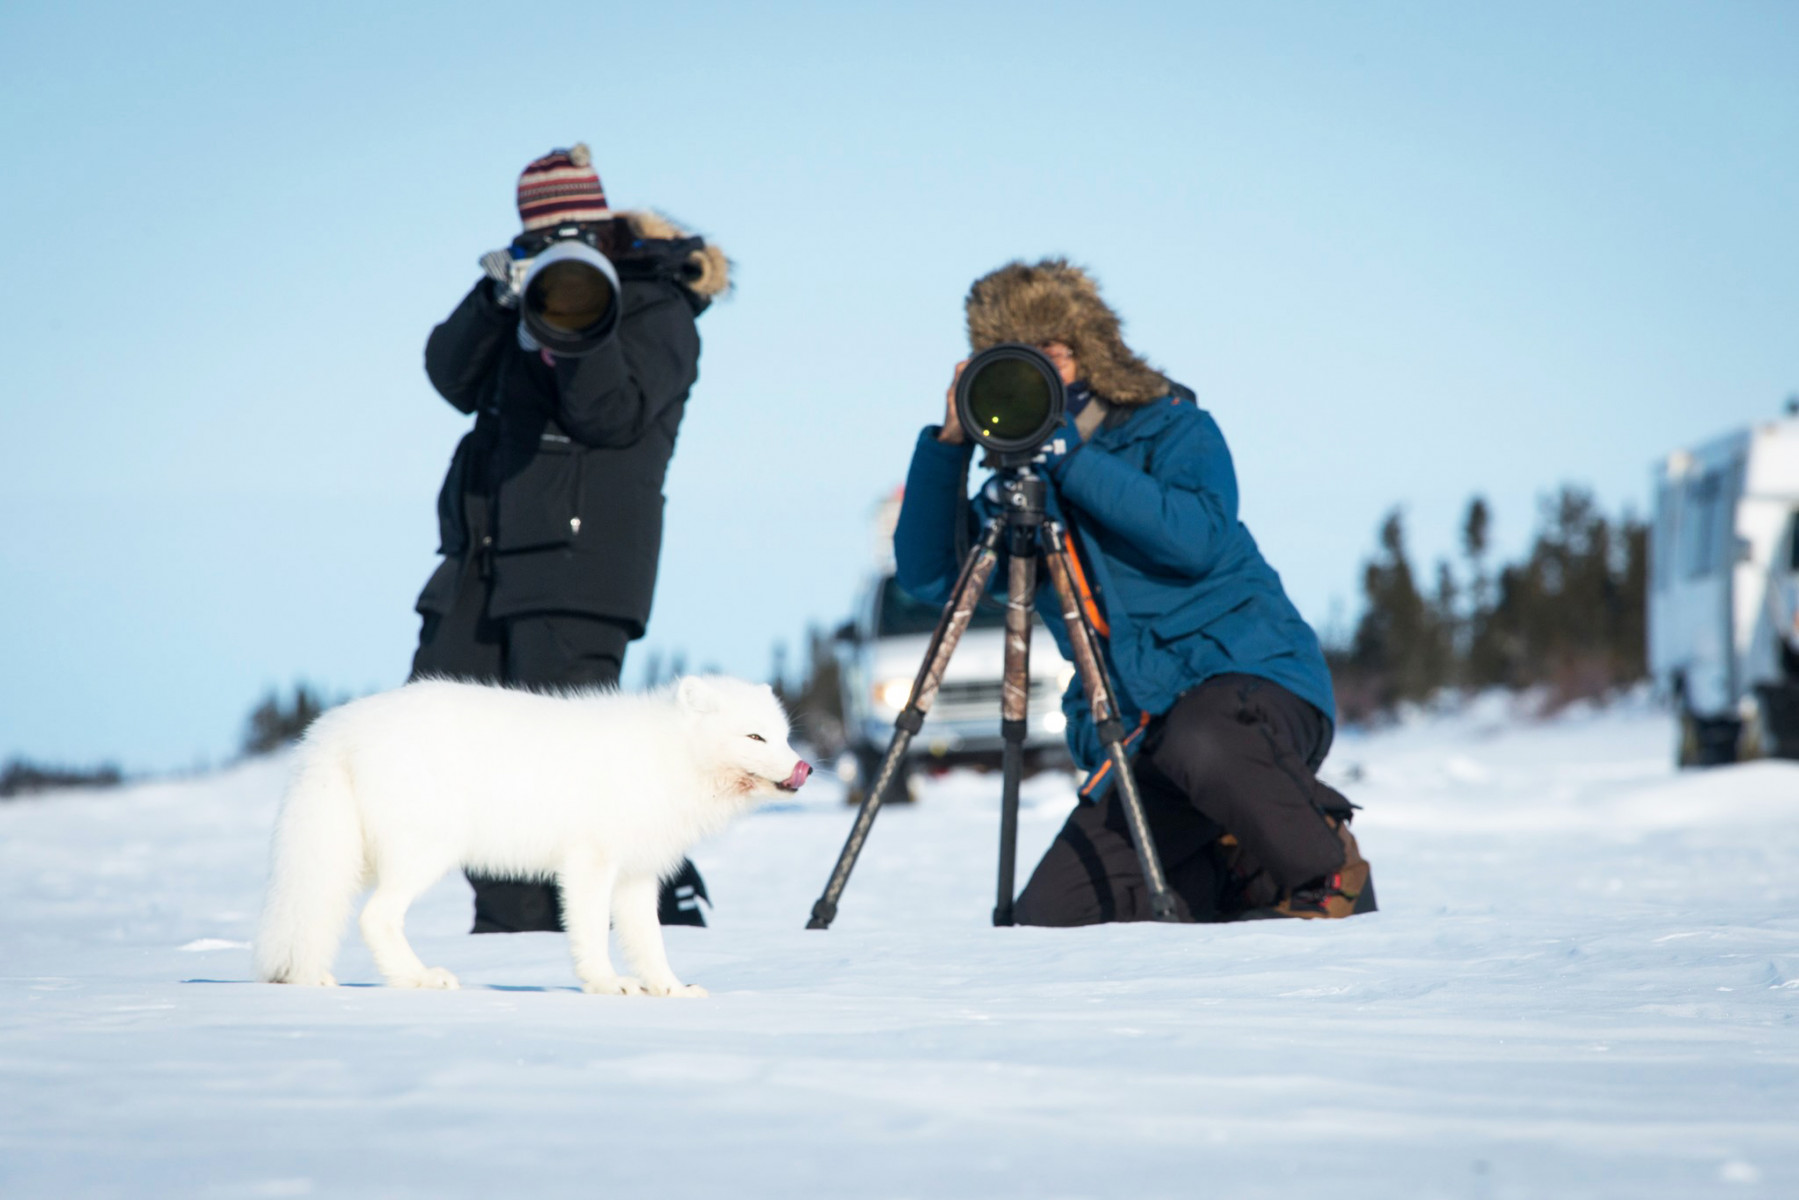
(899, 614)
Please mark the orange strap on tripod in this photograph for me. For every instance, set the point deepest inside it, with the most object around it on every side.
(1088, 605)
(1098, 776)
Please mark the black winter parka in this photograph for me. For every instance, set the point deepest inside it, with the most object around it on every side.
(570, 457)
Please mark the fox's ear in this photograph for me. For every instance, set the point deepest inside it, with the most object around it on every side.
(696, 695)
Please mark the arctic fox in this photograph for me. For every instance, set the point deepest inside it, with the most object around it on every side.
(602, 791)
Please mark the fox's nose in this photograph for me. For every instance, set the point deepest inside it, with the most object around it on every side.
(801, 770)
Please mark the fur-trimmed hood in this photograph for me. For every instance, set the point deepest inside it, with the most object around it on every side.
(1053, 301)
(714, 269)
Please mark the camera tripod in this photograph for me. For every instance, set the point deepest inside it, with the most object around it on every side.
(1030, 538)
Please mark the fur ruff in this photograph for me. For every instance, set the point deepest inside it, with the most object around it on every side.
(1054, 301)
(714, 268)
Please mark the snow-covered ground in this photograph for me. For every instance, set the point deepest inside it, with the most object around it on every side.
(1584, 981)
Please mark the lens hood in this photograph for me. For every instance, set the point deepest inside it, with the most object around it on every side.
(570, 298)
(1010, 398)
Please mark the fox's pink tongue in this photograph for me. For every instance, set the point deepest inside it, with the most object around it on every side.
(800, 771)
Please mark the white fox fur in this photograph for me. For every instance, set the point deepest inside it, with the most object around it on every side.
(602, 791)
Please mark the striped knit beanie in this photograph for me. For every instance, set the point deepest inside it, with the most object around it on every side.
(561, 186)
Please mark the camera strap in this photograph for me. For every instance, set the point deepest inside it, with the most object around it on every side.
(1092, 417)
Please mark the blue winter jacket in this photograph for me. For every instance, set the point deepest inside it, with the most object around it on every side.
(1151, 499)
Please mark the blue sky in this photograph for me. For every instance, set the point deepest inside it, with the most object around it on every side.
(1403, 252)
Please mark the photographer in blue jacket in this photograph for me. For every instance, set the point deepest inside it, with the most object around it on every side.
(1223, 681)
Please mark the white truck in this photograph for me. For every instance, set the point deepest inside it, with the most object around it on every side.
(1724, 593)
(880, 650)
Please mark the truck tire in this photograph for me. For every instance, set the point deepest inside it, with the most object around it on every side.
(1754, 739)
(1707, 741)
(1777, 724)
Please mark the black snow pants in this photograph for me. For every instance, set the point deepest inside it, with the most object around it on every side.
(1240, 820)
(538, 649)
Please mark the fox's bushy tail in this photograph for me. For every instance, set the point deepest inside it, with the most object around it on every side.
(317, 865)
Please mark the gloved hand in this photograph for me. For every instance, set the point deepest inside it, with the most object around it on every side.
(498, 266)
(1053, 457)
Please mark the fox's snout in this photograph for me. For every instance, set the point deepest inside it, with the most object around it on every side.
(801, 771)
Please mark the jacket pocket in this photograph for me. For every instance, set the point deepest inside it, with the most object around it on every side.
(539, 502)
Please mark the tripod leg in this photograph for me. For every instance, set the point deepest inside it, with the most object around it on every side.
(970, 586)
(1092, 667)
(1015, 691)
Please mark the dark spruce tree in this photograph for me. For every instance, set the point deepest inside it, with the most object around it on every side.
(277, 722)
(1399, 650)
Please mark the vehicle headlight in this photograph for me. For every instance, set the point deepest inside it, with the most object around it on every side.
(1055, 722)
(893, 693)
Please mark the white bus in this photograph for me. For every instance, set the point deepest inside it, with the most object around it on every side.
(1724, 594)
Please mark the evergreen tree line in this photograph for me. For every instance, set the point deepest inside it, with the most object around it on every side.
(1569, 617)
(22, 777)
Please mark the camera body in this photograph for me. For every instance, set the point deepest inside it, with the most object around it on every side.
(567, 278)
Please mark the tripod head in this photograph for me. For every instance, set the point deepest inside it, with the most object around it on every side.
(1017, 491)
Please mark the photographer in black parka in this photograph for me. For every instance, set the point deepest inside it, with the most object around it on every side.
(551, 515)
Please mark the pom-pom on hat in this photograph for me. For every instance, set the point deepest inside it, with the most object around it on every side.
(561, 186)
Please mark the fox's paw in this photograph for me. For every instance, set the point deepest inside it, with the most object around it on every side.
(322, 979)
(433, 978)
(612, 985)
(676, 989)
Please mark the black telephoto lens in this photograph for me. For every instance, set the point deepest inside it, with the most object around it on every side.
(1010, 398)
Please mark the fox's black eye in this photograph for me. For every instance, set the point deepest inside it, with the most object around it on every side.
(756, 737)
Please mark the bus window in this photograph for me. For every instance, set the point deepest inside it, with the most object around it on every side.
(1661, 556)
(1699, 526)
